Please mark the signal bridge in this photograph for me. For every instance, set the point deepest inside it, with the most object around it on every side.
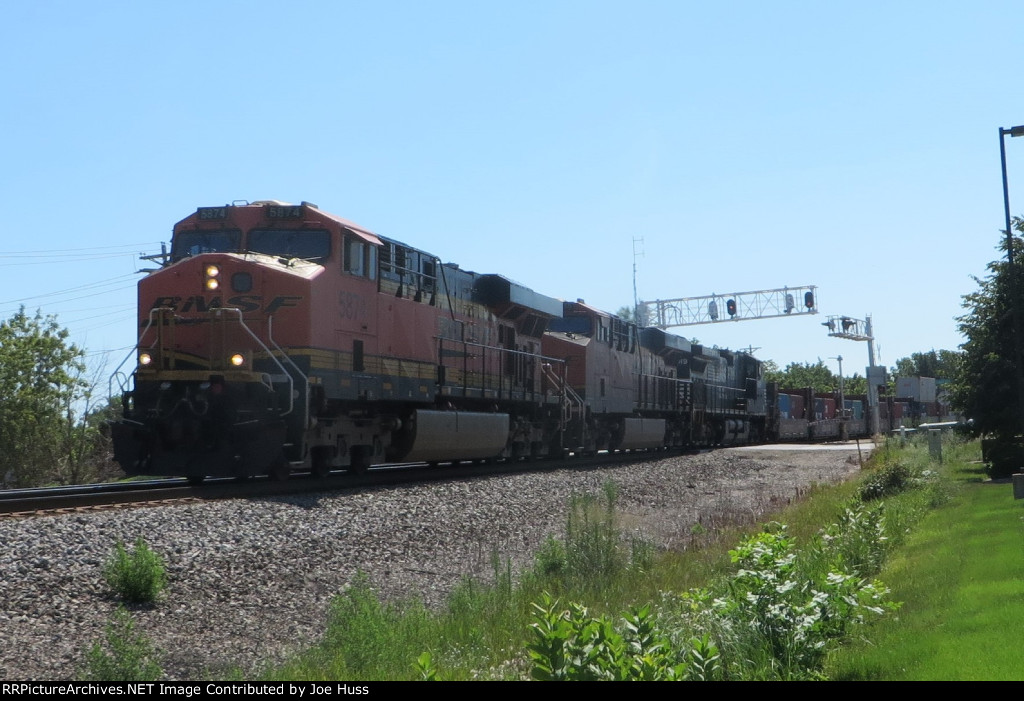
(736, 306)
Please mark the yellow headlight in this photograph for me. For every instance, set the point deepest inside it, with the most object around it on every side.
(212, 271)
(237, 360)
(145, 359)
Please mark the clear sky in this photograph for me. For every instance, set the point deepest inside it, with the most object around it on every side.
(750, 145)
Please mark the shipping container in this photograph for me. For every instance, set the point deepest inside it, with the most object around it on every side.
(784, 407)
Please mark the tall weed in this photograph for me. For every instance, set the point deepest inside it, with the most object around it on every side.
(127, 655)
(136, 577)
(594, 556)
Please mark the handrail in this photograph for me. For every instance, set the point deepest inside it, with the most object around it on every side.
(133, 351)
(305, 379)
(241, 322)
(571, 397)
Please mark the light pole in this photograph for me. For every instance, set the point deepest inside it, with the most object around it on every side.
(842, 401)
(1014, 307)
(1012, 131)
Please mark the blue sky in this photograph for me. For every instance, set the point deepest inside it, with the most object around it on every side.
(750, 145)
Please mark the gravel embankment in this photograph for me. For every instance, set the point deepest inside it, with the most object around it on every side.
(251, 580)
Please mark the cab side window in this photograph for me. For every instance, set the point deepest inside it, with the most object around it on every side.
(359, 258)
(353, 258)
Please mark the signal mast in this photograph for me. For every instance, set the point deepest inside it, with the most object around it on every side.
(860, 330)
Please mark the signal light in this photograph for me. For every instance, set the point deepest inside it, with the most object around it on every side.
(847, 323)
(713, 310)
(730, 306)
(790, 304)
(809, 299)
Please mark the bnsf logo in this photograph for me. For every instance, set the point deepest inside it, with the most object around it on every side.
(247, 303)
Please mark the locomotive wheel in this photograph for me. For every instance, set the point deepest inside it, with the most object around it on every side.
(361, 459)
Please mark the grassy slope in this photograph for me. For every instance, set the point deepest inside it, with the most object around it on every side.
(958, 570)
(960, 576)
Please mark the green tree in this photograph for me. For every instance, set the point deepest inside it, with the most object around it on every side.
(855, 384)
(818, 376)
(42, 378)
(984, 388)
(941, 364)
(801, 375)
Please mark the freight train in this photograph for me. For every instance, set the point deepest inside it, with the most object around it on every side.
(278, 337)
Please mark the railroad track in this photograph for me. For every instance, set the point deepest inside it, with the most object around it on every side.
(55, 500)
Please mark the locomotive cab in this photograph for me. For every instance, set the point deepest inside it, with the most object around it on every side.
(222, 383)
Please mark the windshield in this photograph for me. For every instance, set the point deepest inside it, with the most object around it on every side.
(291, 243)
(192, 243)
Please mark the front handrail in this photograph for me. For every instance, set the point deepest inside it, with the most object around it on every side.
(270, 354)
(305, 379)
(133, 352)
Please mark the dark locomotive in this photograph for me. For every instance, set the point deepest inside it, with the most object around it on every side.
(278, 337)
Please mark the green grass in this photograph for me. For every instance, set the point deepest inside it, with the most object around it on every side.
(960, 576)
(954, 551)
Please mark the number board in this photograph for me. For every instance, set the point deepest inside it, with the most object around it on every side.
(209, 213)
(279, 212)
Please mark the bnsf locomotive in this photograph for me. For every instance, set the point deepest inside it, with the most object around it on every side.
(277, 337)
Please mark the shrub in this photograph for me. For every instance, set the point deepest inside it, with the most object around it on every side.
(127, 657)
(1003, 457)
(857, 543)
(571, 644)
(136, 577)
(776, 619)
(890, 479)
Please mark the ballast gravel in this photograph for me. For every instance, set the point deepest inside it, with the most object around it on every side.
(250, 580)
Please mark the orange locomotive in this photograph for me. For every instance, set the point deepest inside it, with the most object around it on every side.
(279, 337)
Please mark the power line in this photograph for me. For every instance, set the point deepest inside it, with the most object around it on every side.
(61, 251)
(91, 286)
(50, 260)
